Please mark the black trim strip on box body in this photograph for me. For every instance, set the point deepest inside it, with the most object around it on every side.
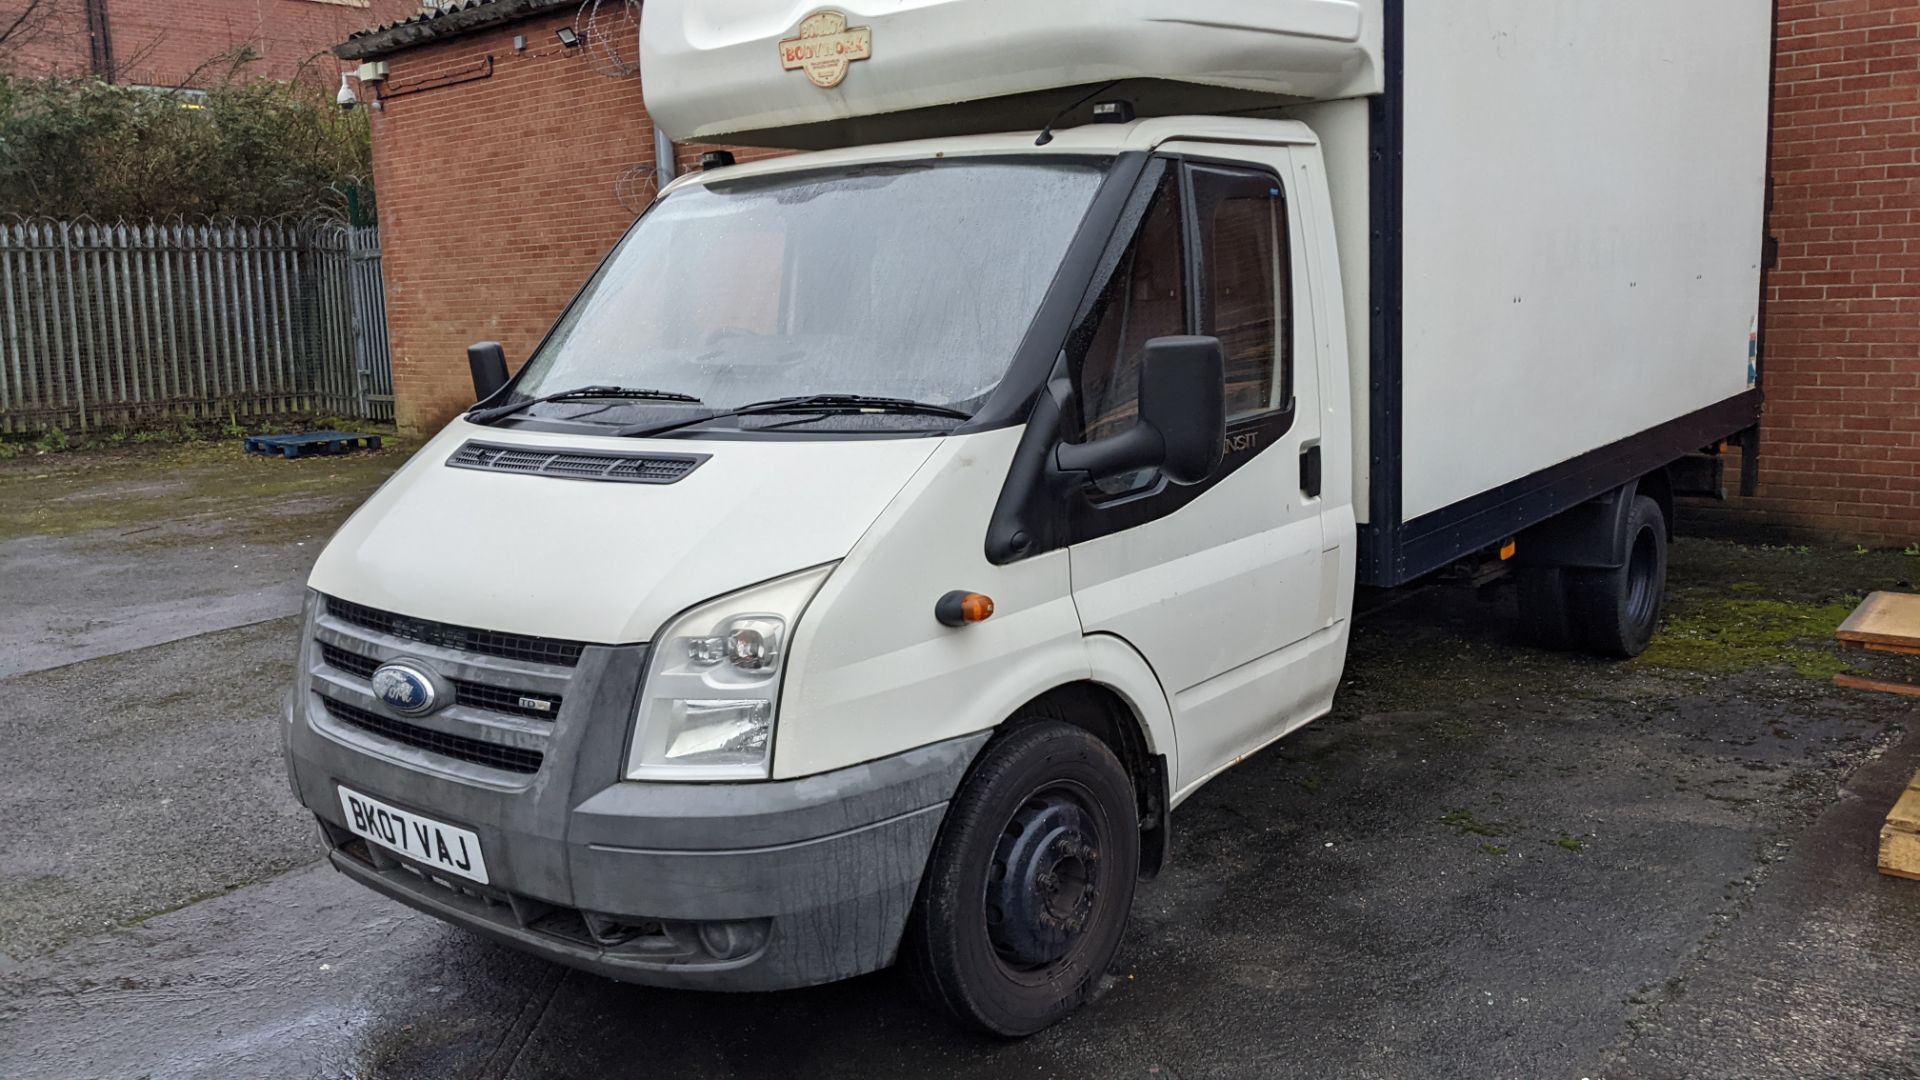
(1386, 116)
(1434, 540)
(1769, 259)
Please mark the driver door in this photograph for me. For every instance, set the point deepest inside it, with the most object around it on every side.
(1221, 585)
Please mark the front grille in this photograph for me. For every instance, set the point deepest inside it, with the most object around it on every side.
(471, 694)
(350, 662)
(628, 468)
(503, 699)
(537, 650)
(493, 755)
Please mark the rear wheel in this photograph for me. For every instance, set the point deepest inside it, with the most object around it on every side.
(1615, 612)
(1029, 884)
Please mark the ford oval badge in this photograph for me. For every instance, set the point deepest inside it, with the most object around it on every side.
(405, 689)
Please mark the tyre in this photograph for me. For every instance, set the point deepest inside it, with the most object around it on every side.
(1029, 884)
(1544, 619)
(1615, 612)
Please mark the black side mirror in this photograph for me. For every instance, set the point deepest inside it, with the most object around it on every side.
(488, 363)
(1182, 428)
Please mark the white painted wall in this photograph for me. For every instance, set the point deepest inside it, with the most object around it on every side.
(1584, 194)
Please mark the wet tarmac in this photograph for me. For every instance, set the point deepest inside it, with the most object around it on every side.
(1491, 861)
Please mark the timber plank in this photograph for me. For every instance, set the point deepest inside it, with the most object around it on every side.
(1855, 682)
(1884, 618)
(1900, 854)
(1905, 815)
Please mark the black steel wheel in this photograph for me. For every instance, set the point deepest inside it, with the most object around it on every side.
(1615, 612)
(1028, 888)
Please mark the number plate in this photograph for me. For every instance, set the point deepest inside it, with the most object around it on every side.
(438, 845)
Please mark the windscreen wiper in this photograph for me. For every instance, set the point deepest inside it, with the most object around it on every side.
(821, 403)
(488, 416)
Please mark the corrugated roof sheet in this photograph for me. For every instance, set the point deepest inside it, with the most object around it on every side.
(448, 20)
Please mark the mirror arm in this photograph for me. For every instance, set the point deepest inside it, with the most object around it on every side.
(1139, 447)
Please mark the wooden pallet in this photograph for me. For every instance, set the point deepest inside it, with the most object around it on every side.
(1890, 623)
(312, 442)
(1885, 622)
(1900, 837)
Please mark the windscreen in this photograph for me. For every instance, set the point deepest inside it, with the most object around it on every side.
(905, 281)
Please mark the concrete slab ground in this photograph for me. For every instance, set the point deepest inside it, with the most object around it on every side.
(106, 551)
(1490, 861)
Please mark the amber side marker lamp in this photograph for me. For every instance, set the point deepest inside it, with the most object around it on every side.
(961, 608)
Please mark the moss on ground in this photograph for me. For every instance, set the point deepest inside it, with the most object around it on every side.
(135, 490)
(1464, 823)
(1716, 631)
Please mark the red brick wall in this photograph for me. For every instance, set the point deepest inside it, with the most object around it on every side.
(1840, 441)
(497, 198)
(176, 42)
(53, 39)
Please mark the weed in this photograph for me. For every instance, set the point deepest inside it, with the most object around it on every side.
(1492, 849)
(1570, 843)
(1464, 823)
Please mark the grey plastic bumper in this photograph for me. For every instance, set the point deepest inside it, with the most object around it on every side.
(706, 886)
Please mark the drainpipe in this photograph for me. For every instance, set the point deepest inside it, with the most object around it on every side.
(100, 42)
(663, 160)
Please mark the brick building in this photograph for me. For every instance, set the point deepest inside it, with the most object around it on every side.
(509, 163)
(173, 43)
(1840, 442)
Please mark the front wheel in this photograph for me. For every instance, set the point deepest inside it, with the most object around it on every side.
(1029, 884)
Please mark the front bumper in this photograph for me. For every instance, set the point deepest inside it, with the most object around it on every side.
(717, 886)
(714, 887)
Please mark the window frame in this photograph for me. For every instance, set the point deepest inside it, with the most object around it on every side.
(1246, 436)
(1200, 299)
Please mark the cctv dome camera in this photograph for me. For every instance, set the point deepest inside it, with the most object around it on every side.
(346, 98)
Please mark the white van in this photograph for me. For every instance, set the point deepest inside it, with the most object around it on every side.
(890, 536)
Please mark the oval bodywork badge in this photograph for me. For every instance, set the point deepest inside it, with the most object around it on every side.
(825, 47)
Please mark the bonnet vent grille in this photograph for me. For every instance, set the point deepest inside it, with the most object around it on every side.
(635, 468)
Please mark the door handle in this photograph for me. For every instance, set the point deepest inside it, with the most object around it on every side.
(1310, 471)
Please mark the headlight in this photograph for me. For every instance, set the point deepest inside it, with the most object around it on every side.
(713, 685)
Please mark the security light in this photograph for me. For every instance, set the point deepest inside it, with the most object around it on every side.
(568, 37)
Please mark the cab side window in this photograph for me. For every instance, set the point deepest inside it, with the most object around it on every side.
(1242, 227)
(1145, 298)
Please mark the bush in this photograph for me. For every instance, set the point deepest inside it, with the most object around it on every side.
(253, 148)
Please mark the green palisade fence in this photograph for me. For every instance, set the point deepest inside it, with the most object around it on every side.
(109, 326)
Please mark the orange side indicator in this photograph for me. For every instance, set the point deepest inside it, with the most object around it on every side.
(1507, 550)
(961, 608)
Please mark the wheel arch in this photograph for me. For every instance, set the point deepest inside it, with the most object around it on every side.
(1120, 703)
